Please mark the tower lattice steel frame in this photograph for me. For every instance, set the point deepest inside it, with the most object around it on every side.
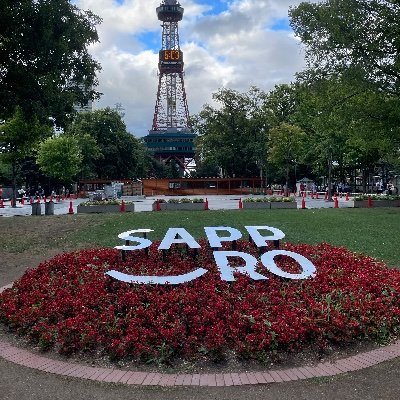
(171, 137)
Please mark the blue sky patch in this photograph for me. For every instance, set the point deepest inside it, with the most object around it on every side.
(150, 39)
(281, 24)
(216, 7)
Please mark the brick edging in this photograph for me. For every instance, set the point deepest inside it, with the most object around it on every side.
(360, 361)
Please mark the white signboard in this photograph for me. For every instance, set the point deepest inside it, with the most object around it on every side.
(216, 236)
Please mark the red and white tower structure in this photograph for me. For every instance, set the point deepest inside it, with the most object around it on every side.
(170, 137)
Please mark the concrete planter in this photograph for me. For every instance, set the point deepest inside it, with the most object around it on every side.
(104, 208)
(179, 206)
(376, 203)
(284, 204)
(264, 205)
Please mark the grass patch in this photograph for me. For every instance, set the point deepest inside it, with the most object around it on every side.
(374, 232)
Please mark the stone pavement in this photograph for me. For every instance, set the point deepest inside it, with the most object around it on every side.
(214, 202)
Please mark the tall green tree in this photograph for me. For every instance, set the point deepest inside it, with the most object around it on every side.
(357, 38)
(60, 157)
(121, 155)
(355, 45)
(286, 143)
(19, 136)
(232, 136)
(45, 66)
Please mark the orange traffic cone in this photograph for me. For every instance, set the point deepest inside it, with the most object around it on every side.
(336, 202)
(206, 205)
(122, 208)
(71, 209)
(303, 203)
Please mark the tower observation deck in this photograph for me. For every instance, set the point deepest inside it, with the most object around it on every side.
(170, 138)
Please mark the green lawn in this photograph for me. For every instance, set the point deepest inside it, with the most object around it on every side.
(375, 232)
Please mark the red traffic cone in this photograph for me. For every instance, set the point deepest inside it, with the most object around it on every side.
(240, 204)
(370, 205)
(1, 203)
(303, 203)
(71, 209)
(206, 205)
(122, 208)
(347, 196)
(335, 202)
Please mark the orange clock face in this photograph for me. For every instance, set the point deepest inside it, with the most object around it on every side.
(171, 55)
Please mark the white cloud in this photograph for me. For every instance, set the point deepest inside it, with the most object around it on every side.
(235, 49)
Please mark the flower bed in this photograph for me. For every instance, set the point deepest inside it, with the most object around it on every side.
(183, 204)
(378, 200)
(104, 206)
(269, 202)
(68, 303)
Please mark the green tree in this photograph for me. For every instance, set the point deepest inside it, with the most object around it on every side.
(232, 136)
(357, 38)
(18, 138)
(60, 157)
(45, 66)
(349, 126)
(286, 143)
(121, 154)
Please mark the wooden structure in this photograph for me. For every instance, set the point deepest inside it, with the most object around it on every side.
(202, 186)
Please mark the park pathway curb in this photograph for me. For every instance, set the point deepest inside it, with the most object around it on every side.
(110, 375)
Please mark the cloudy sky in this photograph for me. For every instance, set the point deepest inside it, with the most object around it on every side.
(226, 43)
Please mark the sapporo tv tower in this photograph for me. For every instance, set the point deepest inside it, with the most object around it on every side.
(170, 138)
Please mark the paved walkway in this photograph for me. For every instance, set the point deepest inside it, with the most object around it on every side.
(111, 375)
(145, 204)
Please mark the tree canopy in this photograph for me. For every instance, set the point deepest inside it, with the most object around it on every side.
(60, 157)
(118, 154)
(359, 39)
(231, 137)
(45, 66)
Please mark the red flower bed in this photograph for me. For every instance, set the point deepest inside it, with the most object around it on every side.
(70, 304)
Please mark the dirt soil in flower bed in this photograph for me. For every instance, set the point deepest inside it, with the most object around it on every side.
(380, 382)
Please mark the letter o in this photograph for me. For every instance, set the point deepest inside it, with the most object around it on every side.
(309, 270)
